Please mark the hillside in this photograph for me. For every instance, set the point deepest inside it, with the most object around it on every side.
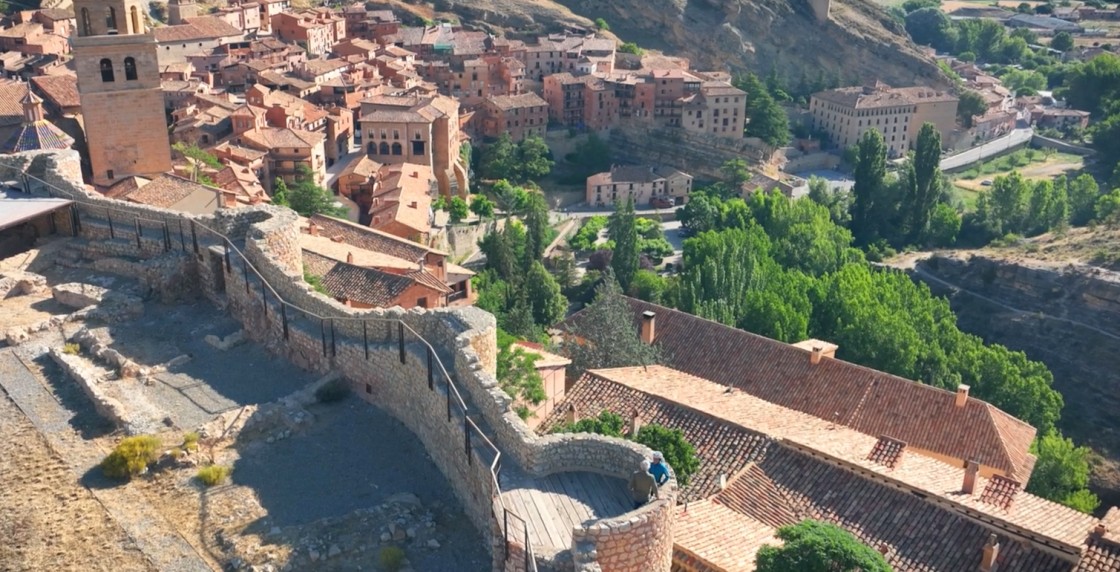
(859, 43)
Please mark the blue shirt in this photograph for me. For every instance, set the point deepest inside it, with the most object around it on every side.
(660, 473)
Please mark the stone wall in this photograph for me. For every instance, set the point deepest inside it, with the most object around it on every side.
(320, 334)
(76, 369)
(697, 154)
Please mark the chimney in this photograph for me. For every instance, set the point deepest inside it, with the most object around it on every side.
(962, 395)
(312, 228)
(570, 414)
(722, 481)
(648, 332)
(412, 205)
(990, 554)
(255, 199)
(635, 423)
(349, 257)
(1100, 529)
(971, 469)
(815, 355)
(229, 200)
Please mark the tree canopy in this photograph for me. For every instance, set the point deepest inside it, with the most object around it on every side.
(308, 198)
(519, 162)
(814, 546)
(605, 335)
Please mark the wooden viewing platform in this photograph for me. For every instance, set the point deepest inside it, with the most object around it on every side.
(553, 505)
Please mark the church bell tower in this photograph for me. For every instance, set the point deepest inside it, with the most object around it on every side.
(118, 80)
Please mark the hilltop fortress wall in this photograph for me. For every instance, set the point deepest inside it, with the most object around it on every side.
(365, 346)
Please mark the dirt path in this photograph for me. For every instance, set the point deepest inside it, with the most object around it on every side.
(159, 544)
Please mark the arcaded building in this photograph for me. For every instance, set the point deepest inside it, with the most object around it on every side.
(898, 113)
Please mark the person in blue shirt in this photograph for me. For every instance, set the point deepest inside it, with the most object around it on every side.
(658, 469)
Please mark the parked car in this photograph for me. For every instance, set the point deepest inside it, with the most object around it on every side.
(661, 203)
(986, 183)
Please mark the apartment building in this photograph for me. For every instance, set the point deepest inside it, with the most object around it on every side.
(897, 113)
(659, 186)
(520, 116)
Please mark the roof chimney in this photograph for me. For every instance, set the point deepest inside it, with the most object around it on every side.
(648, 332)
(570, 414)
(815, 355)
(722, 481)
(349, 257)
(990, 555)
(312, 228)
(229, 200)
(962, 395)
(635, 423)
(412, 205)
(971, 470)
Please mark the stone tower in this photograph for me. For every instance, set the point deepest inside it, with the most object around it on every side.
(118, 80)
(179, 11)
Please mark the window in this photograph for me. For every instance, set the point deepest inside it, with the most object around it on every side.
(111, 20)
(106, 72)
(130, 68)
(135, 16)
(396, 134)
(85, 22)
(417, 147)
(397, 149)
(109, 174)
(384, 148)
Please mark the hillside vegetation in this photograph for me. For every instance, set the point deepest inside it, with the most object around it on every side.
(859, 44)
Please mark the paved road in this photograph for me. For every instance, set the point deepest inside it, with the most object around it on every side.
(994, 147)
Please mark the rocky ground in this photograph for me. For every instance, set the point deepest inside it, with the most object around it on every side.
(314, 486)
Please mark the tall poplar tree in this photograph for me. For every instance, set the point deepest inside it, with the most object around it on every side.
(870, 185)
(926, 188)
(624, 232)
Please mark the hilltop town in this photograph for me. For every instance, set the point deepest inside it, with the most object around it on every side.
(379, 286)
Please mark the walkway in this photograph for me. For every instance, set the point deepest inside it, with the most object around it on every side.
(154, 536)
(995, 147)
(553, 505)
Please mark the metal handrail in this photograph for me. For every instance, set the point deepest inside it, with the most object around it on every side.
(495, 465)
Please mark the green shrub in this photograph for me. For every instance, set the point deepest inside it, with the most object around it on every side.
(211, 475)
(334, 390)
(391, 558)
(970, 174)
(131, 457)
(190, 441)
(71, 349)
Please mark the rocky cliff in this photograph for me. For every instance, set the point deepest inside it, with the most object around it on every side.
(858, 43)
(1065, 316)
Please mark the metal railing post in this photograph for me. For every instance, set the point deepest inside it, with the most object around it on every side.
(431, 370)
(525, 550)
(182, 237)
(194, 237)
(229, 265)
(365, 337)
(109, 217)
(334, 348)
(264, 298)
(400, 339)
(245, 274)
(505, 532)
(139, 233)
(323, 335)
(467, 438)
(284, 318)
(166, 237)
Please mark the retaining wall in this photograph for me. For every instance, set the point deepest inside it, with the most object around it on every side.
(362, 346)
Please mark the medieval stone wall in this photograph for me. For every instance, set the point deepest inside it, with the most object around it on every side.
(364, 346)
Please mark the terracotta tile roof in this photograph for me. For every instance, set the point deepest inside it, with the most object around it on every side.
(176, 193)
(11, 93)
(201, 28)
(872, 402)
(349, 282)
(719, 537)
(370, 239)
(62, 90)
(723, 448)
(523, 100)
(547, 359)
(882, 96)
(887, 452)
(751, 426)
(1111, 522)
(786, 486)
(1000, 491)
(279, 138)
(1100, 555)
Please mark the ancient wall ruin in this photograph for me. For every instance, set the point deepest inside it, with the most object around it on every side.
(384, 354)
